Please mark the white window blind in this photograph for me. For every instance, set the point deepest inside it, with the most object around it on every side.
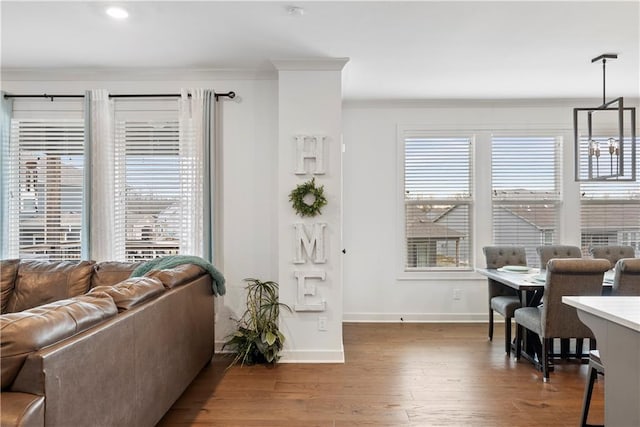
(610, 211)
(148, 182)
(437, 196)
(46, 188)
(525, 179)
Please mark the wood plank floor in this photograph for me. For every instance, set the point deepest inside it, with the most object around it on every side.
(394, 375)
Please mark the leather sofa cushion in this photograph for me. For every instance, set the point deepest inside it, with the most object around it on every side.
(30, 330)
(22, 410)
(132, 292)
(42, 282)
(8, 270)
(178, 275)
(108, 273)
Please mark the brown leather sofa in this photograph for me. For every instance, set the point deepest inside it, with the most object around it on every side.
(84, 345)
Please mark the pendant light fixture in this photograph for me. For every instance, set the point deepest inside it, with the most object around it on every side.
(605, 149)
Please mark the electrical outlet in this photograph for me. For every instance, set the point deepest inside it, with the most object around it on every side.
(322, 323)
(457, 294)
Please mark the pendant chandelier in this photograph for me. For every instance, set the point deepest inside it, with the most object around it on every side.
(605, 149)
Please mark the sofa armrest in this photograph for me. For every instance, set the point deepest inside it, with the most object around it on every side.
(86, 376)
(21, 410)
(139, 362)
(178, 275)
(26, 332)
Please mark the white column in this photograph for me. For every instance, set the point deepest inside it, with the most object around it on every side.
(310, 119)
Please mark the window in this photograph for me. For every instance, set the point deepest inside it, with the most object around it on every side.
(45, 178)
(437, 201)
(525, 192)
(154, 182)
(148, 181)
(610, 211)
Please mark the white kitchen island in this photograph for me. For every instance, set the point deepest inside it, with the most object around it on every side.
(615, 322)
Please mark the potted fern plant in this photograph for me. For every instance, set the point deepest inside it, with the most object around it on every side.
(258, 338)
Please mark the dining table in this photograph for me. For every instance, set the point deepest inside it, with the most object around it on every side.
(529, 284)
(529, 279)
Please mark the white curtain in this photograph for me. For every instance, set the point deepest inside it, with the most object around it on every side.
(6, 111)
(101, 197)
(197, 139)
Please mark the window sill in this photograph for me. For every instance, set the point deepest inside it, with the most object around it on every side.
(438, 275)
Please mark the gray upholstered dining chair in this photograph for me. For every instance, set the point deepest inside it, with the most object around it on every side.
(626, 279)
(556, 251)
(503, 299)
(560, 251)
(613, 253)
(553, 319)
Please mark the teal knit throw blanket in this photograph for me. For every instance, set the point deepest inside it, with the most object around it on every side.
(166, 262)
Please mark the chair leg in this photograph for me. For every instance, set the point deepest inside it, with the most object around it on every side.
(518, 341)
(546, 344)
(490, 324)
(579, 344)
(586, 400)
(507, 335)
(564, 348)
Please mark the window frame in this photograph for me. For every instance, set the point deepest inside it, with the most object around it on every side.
(433, 273)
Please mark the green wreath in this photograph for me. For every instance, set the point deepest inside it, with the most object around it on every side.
(297, 198)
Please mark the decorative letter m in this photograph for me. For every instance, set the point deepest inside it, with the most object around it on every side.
(303, 241)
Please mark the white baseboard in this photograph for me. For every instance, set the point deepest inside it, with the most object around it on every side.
(418, 317)
(312, 356)
(299, 356)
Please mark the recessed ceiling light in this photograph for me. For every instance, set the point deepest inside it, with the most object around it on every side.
(295, 11)
(117, 13)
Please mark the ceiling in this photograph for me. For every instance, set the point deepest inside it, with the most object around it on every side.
(397, 50)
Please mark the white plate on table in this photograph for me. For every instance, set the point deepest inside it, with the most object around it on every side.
(515, 268)
(540, 277)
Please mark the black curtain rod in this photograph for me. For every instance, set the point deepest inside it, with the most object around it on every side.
(229, 95)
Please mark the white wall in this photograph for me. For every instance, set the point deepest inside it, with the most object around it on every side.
(310, 103)
(375, 286)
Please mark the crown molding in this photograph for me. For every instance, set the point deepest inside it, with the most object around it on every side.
(310, 64)
(137, 74)
(480, 103)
